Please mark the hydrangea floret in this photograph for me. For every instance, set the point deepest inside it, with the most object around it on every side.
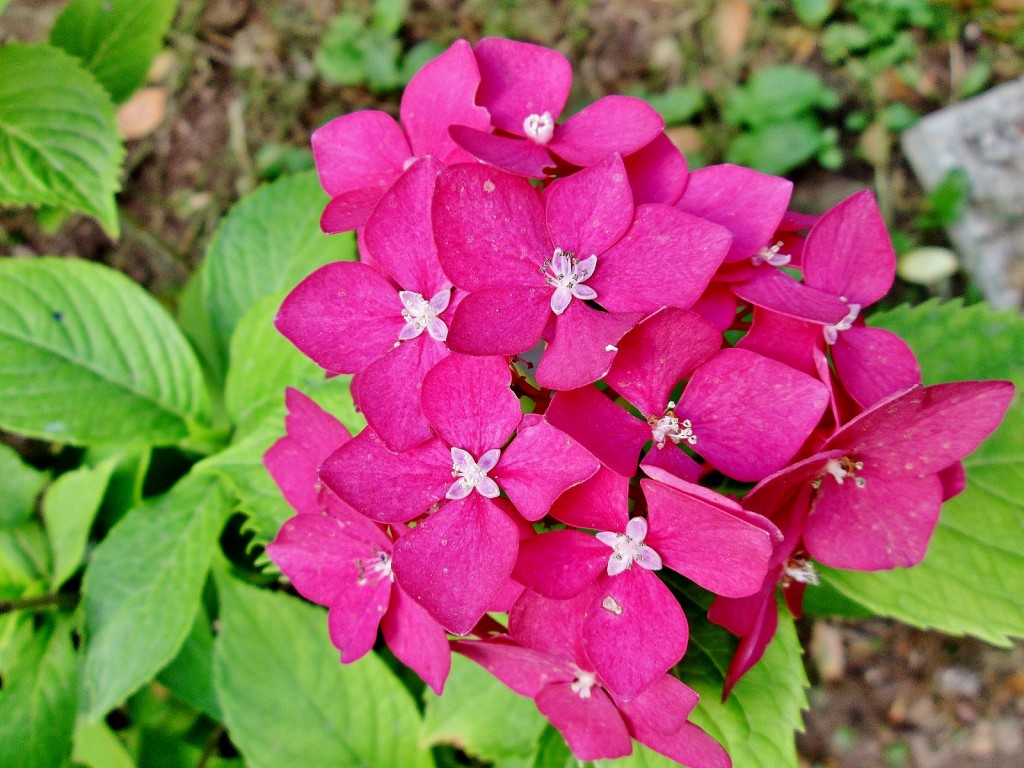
(583, 368)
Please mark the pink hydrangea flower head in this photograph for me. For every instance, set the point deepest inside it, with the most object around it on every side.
(360, 155)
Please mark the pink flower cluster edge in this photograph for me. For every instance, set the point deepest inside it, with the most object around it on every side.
(562, 342)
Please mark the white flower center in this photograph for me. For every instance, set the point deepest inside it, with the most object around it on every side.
(629, 548)
(539, 128)
(566, 274)
(473, 474)
(375, 568)
(422, 315)
(840, 469)
(584, 682)
(832, 331)
(771, 255)
(671, 427)
(801, 571)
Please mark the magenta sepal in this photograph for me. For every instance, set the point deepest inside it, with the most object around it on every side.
(456, 561)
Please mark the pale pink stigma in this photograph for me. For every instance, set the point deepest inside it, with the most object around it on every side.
(473, 474)
(832, 331)
(539, 128)
(375, 568)
(566, 274)
(771, 255)
(671, 427)
(422, 315)
(629, 548)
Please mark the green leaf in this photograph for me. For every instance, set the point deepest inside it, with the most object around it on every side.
(340, 58)
(474, 713)
(813, 12)
(96, 746)
(778, 147)
(143, 586)
(679, 104)
(115, 39)
(69, 508)
(87, 356)
(778, 94)
(265, 245)
(756, 724)
(19, 489)
(190, 675)
(289, 703)
(38, 700)
(24, 561)
(972, 577)
(389, 15)
(552, 751)
(59, 144)
(263, 363)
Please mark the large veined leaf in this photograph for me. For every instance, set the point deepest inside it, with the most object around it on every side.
(38, 700)
(265, 245)
(289, 703)
(87, 356)
(143, 587)
(475, 712)
(115, 39)
(972, 577)
(59, 145)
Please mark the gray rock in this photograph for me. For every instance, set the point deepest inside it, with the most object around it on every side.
(985, 137)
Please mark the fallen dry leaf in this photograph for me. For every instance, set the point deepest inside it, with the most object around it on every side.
(142, 113)
(732, 22)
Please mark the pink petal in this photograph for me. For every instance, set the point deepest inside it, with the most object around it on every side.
(759, 616)
(926, 429)
(319, 554)
(714, 548)
(513, 154)
(441, 94)
(469, 403)
(634, 631)
(666, 259)
(605, 429)
(350, 210)
(312, 435)
(553, 627)
(873, 363)
(689, 746)
(656, 355)
(662, 708)
(954, 480)
(359, 150)
(539, 465)
(750, 414)
(590, 210)
(785, 339)
(354, 616)
(456, 561)
(622, 124)
(601, 503)
(560, 564)
(489, 227)
(384, 486)
(519, 79)
(524, 670)
(592, 726)
(503, 320)
(389, 392)
(748, 203)
(717, 305)
(884, 524)
(399, 236)
(848, 253)
(671, 461)
(343, 316)
(417, 640)
(773, 289)
(657, 172)
(582, 347)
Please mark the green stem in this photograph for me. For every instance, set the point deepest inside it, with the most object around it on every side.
(38, 603)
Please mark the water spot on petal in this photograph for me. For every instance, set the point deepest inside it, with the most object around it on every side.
(488, 186)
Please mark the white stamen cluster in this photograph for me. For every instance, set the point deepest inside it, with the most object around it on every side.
(472, 474)
(831, 332)
(377, 567)
(539, 128)
(583, 683)
(566, 274)
(671, 427)
(802, 572)
(629, 548)
(840, 469)
(771, 255)
(422, 315)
